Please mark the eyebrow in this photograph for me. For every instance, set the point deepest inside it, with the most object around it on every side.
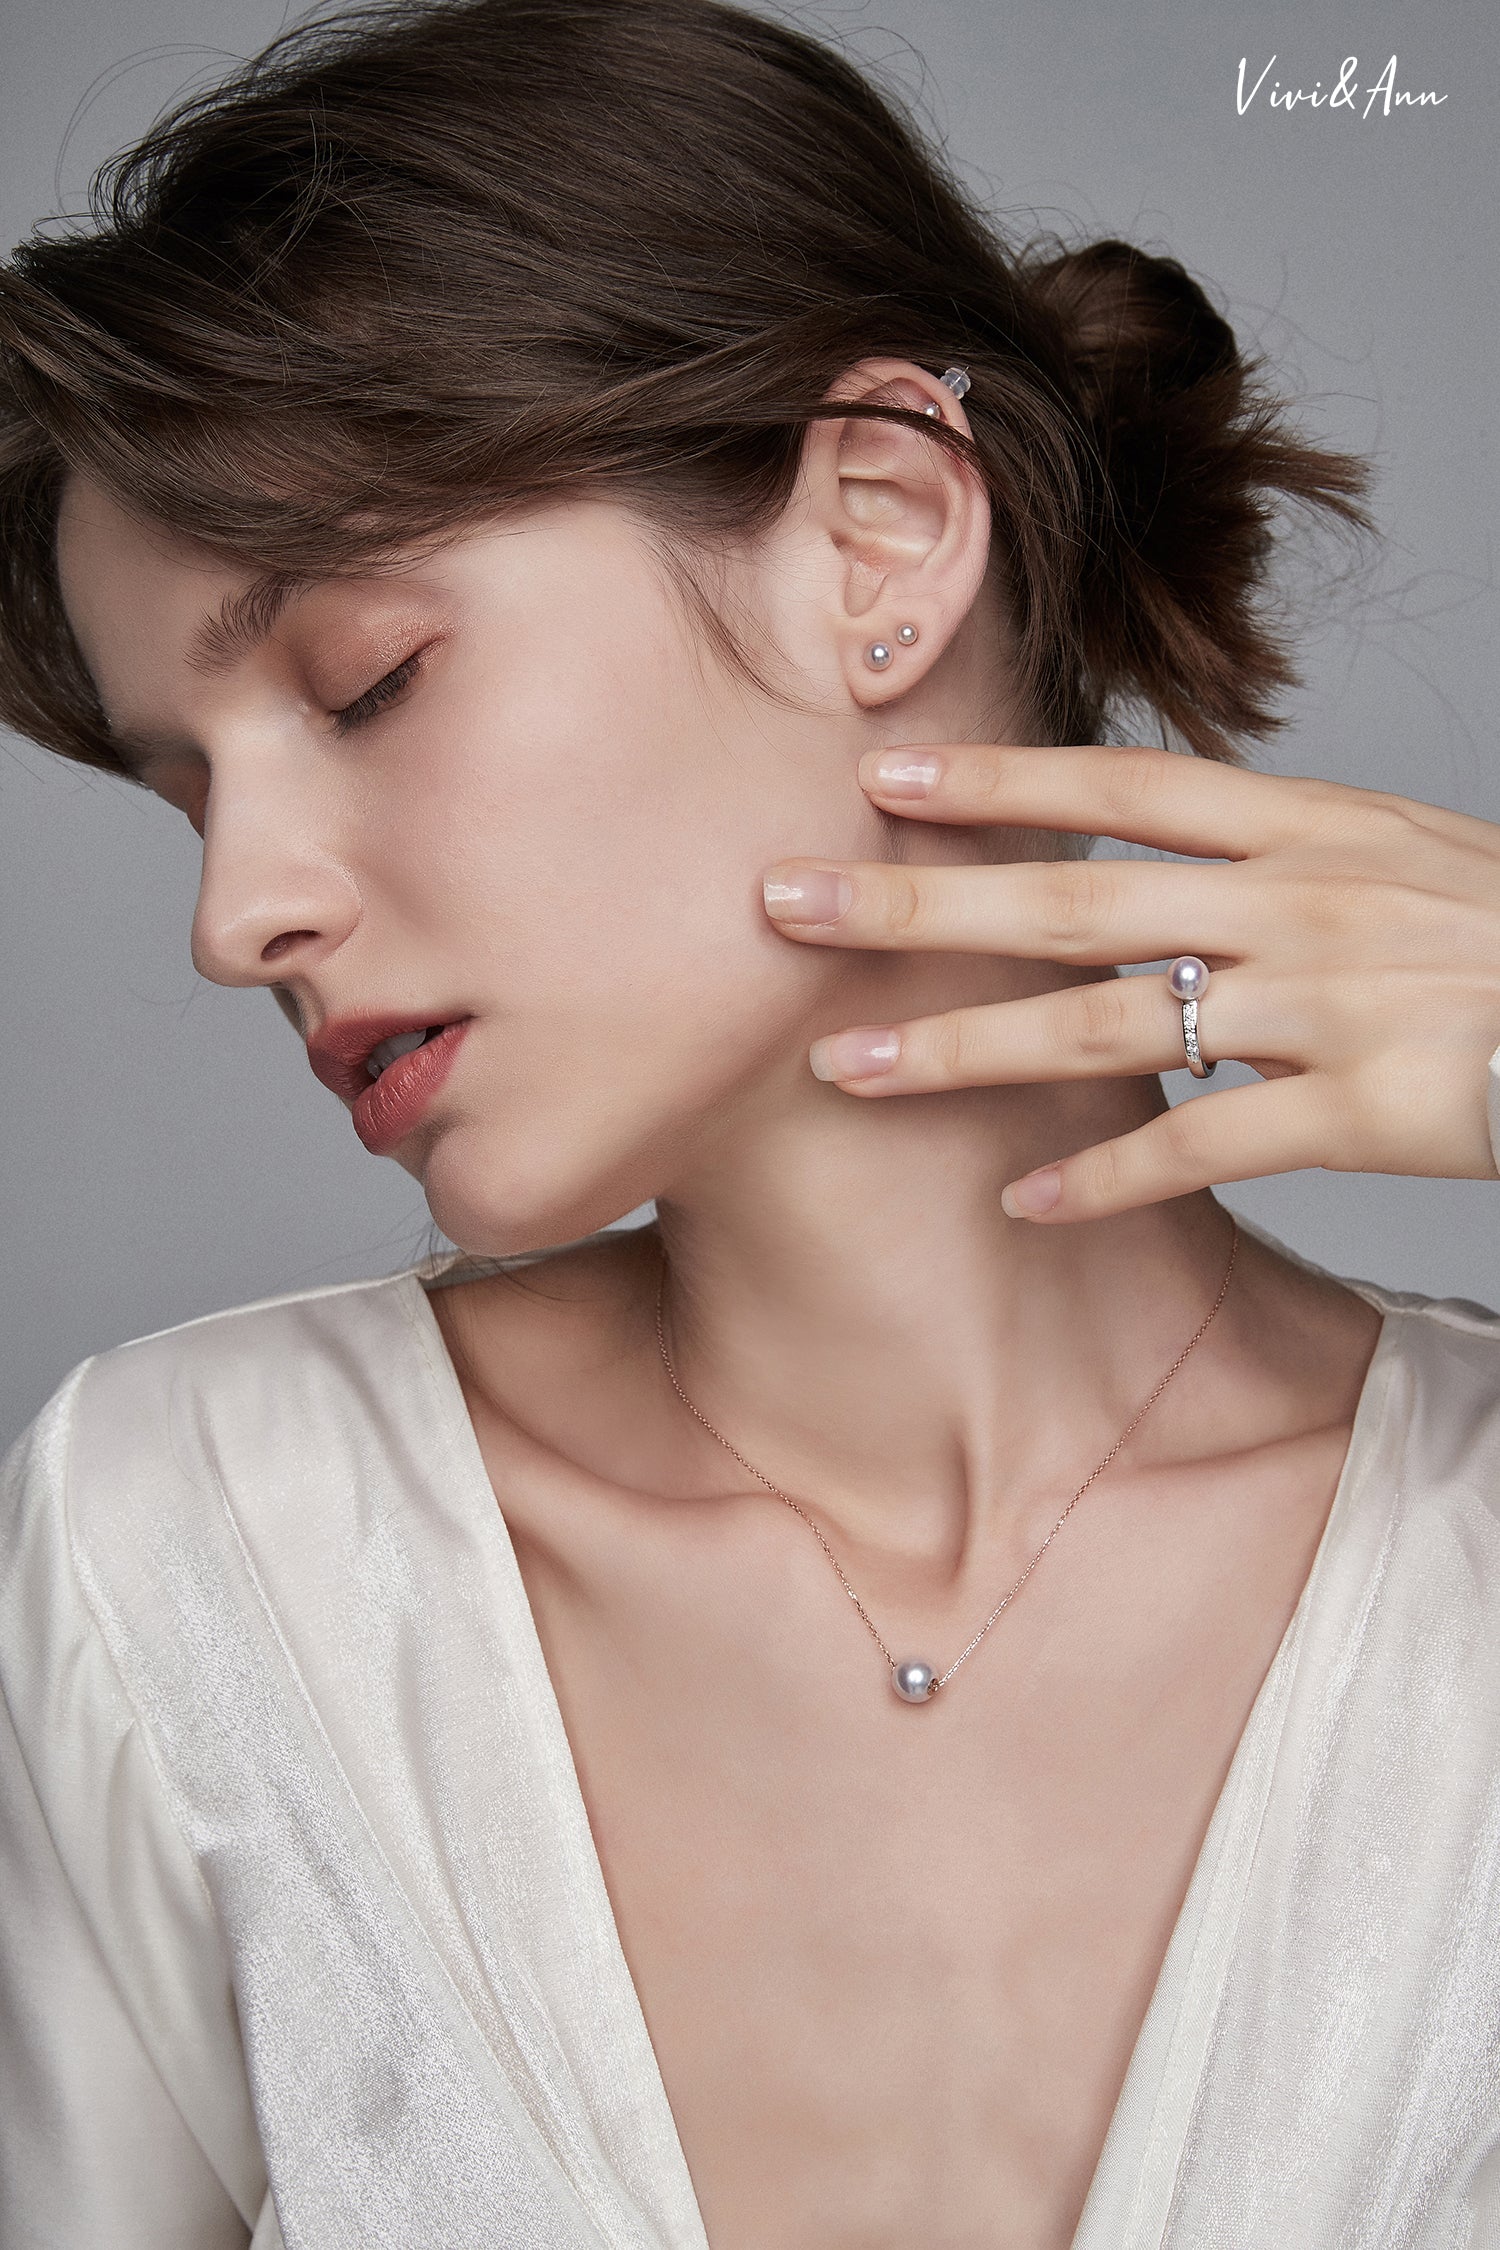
(243, 622)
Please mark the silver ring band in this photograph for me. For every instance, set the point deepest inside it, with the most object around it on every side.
(1187, 981)
(1195, 1062)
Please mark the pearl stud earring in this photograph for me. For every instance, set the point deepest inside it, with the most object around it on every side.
(879, 653)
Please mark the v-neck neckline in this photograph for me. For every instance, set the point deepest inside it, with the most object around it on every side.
(1169, 2018)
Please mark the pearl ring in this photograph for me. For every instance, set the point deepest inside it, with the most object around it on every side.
(1187, 981)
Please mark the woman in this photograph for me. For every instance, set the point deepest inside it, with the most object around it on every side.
(572, 506)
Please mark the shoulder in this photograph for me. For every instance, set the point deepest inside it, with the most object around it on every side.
(1417, 1552)
(188, 1504)
(265, 1353)
(141, 1447)
(1442, 1385)
(1429, 1414)
(262, 1353)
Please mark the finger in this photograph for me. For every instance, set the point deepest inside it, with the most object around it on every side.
(1079, 910)
(1245, 1133)
(1141, 796)
(1111, 1027)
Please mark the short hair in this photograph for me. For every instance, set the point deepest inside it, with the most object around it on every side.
(416, 266)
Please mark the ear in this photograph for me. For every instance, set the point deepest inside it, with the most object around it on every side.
(907, 527)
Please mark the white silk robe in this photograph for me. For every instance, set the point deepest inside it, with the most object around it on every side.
(304, 1939)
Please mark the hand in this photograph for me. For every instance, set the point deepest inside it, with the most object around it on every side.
(1353, 939)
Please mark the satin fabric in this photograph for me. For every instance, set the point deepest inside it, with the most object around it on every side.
(304, 1940)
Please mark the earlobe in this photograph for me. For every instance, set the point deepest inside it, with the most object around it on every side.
(879, 654)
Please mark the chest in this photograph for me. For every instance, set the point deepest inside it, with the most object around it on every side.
(894, 1960)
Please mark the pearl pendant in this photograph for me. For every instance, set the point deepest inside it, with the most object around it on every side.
(913, 1682)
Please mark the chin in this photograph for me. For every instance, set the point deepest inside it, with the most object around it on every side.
(494, 1199)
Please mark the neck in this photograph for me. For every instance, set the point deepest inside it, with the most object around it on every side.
(847, 1303)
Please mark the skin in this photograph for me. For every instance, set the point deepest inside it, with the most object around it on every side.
(1353, 940)
(907, 1950)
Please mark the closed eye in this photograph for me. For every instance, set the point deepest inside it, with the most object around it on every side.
(374, 699)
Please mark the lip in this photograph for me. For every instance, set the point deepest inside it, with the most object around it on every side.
(385, 1108)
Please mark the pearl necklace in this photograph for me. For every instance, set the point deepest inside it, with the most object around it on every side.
(913, 1680)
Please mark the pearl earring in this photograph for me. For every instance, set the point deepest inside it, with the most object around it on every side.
(879, 653)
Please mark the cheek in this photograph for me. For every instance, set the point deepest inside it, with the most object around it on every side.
(586, 870)
(586, 842)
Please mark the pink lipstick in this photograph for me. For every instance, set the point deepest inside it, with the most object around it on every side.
(387, 1107)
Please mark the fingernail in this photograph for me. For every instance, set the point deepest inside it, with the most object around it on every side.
(807, 894)
(1038, 1192)
(855, 1054)
(904, 773)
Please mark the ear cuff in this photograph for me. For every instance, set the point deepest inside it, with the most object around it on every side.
(957, 380)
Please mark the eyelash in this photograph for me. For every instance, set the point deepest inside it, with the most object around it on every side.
(365, 707)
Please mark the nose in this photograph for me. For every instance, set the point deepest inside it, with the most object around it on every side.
(274, 897)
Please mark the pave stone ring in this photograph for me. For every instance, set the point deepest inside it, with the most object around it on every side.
(1187, 981)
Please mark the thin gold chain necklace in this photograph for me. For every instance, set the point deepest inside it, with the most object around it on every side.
(914, 1681)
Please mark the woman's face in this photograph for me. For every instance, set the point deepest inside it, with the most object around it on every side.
(506, 786)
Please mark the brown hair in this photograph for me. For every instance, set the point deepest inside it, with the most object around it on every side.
(419, 264)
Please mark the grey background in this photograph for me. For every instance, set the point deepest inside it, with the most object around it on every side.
(165, 1148)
